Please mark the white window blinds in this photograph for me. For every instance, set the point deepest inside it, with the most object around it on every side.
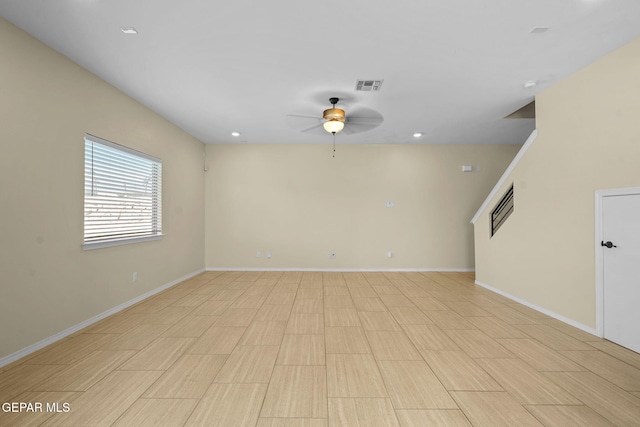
(122, 194)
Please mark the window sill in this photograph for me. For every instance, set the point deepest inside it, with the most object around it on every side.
(119, 242)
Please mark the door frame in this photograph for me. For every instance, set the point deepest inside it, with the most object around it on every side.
(599, 237)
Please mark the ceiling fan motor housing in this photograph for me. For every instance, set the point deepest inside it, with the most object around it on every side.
(333, 114)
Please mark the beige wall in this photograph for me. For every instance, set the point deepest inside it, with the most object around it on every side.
(48, 283)
(300, 203)
(588, 139)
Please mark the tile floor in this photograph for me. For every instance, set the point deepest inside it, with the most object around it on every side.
(272, 349)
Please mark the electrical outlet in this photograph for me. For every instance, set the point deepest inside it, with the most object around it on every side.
(269, 255)
(331, 255)
(135, 276)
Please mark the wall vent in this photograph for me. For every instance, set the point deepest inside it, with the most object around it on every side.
(368, 85)
(501, 212)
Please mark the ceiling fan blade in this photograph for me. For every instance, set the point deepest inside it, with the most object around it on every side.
(347, 130)
(364, 114)
(316, 126)
(351, 128)
(304, 116)
(362, 120)
(302, 122)
(365, 120)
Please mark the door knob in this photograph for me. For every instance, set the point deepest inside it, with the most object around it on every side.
(608, 244)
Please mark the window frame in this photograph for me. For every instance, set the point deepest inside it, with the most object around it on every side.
(156, 215)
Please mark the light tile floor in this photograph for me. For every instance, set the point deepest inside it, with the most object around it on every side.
(313, 349)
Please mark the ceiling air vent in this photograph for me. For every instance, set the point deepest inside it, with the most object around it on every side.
(368, 85)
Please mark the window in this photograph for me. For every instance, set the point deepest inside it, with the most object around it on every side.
(501, 212)
(122, 195)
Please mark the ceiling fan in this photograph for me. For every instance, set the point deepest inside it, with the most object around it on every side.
(335, 120)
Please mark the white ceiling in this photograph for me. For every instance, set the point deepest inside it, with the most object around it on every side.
(451, 68)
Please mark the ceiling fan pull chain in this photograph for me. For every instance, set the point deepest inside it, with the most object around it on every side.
(334, 145)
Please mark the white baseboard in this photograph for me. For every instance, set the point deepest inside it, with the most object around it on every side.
(549, 313)
(50, 340)
(350, 270)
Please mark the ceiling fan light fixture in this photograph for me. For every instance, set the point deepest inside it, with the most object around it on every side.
(334, 117)
(333, 126)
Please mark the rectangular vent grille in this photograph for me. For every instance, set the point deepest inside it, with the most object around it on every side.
(368, 85)
(501, 212)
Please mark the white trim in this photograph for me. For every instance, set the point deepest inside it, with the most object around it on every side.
(598, 264)
(349, 270)
(62, 334)
(599, 237)
(118, 242)
(506, 174)
(117, 146)
(540, 309)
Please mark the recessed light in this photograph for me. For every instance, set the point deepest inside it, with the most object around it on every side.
(539, 30)
(235, 133)
(129, 30)
(529, 84)
(417, 134)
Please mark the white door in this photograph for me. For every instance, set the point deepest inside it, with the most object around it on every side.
(621, 269)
